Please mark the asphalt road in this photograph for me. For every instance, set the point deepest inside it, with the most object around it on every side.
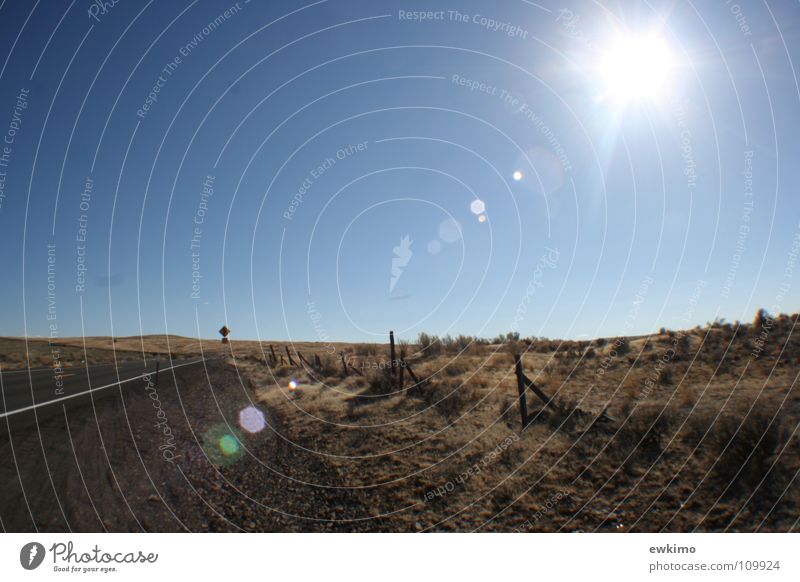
(28, 392)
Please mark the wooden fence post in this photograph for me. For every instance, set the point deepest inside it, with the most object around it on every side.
(289, 355)
(523, 400)
(272, 351)
(158, 367)
(356, 370)
(411, 373)
(344, 364)
(402, 365)
(304, 361)
(525, 383)
(392, 355)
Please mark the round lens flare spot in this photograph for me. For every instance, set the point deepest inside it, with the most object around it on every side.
(293, 384)
(252, 420)
(223, 444)
(228, 445)
(482, 218)
(518, 176)
(450, 230)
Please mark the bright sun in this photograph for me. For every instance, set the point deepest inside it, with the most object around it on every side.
(636, 68)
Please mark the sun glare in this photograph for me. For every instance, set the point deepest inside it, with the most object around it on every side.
(636, 68)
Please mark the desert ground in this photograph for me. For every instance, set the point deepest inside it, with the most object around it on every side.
(681, 430)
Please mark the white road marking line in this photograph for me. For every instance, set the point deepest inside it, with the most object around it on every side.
(63, 398)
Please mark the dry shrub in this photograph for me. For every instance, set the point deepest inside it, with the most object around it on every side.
(429, 345)
(631, 387)
(503, 495)
(687, 396)
(329, 367)
(508, 411)
(374, 387)
(455, 368)
(359, 382)
(621, 345)
(367, 349)
(568, 420)
(697, 428)
(380, 383)
(747, 451)
(449, 397)
(646, 432)
(459, 344)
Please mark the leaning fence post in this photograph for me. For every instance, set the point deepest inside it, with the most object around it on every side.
(303, 361)
(523, 400)
(344, 364)
(158, 367)
(289, 355)
(272, 351)
(411, 373)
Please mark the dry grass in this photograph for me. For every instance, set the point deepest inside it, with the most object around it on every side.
(664, 463)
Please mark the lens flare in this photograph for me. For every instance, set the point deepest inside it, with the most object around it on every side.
(548, 171)
(450, 230)
(482, 218)
(293, 384)
(223, 444)
(228, 445)
(518, 176)
(252, 419)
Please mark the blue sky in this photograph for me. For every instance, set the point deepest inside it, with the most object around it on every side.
(324, 133)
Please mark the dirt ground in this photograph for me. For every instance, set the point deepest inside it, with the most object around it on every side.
(679, 431)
